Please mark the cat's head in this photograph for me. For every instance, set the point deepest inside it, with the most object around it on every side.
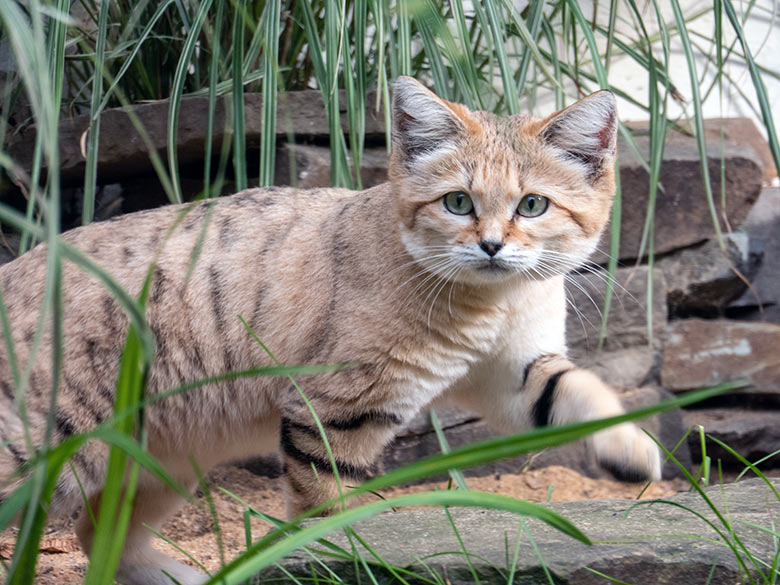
(484, 198)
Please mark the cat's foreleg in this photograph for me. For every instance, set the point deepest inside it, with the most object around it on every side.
(553, 391)
(558, 392)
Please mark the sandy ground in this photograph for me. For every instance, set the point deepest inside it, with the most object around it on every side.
(61, 561)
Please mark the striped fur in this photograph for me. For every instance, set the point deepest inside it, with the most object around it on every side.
(386, 279)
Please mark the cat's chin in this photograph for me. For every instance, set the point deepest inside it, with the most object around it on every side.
(489, 273)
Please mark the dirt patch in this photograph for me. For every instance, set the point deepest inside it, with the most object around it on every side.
(62, 563)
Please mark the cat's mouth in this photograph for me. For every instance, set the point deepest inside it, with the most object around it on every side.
(493, 267)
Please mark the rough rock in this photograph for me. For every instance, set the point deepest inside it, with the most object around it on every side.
(743, 131)
(123, 153)
(648, 545)
(460, 428)
(702, 353)
(752, 433)
(703, 280)
(763, 226)
(681, 208)
(312, 166)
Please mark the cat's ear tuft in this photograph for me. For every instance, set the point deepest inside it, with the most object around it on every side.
(586, 131)
(424, 126)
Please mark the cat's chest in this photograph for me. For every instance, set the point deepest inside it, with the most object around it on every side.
(507, 333)
(437, 355)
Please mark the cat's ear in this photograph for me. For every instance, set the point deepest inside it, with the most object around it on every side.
(424, 125)
(586, 131)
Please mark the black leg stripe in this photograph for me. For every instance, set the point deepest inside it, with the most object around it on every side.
(18, 456)
(20, 459)
(543, 406)
(64, 426)
(531, 364)
(350, 424)
(373, 417)
(321, 464)
(7, 390)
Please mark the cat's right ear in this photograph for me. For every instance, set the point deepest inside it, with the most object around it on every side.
(424, 125)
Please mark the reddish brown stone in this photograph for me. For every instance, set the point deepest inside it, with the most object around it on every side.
(701, 353)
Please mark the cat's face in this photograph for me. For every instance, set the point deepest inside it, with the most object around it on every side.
(484, 199)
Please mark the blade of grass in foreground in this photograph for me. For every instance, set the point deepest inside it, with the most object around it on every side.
(503, 447)
(116, 499)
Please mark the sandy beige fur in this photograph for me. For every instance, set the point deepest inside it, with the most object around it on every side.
(386, 278)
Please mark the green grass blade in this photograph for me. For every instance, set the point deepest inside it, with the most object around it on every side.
(239, 140)
(340, 174)
(357, 124)
(758, 84)
(529, 38)
(270, 64)
(214, 63)
(42, 482)
(502, 447)
(456, 474)
(497, 27)
(404, 24)
(90, 172)
(129, 59)
(425, 18)
(462, 57)
(698, 118)
(176, 94)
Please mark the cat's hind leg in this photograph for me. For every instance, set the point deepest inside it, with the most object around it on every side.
(141, 564)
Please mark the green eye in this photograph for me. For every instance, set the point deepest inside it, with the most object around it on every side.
(532, 206)
(458, 202)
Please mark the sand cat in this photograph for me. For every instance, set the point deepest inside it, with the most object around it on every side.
(443, 284)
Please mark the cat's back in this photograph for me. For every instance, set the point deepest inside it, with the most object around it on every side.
(213, 260)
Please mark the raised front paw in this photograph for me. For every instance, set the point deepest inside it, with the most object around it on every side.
(627, 452)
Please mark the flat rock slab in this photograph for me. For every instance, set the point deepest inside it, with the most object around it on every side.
(702, 353)
(652, 545)
(753, 433)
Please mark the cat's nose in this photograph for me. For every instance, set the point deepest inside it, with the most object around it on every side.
(491, 248)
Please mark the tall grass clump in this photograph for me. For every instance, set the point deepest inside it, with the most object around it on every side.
(85, 56)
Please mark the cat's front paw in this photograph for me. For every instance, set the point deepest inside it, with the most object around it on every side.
(627, 452)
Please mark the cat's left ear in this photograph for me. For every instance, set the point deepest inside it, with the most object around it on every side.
(586, 131)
